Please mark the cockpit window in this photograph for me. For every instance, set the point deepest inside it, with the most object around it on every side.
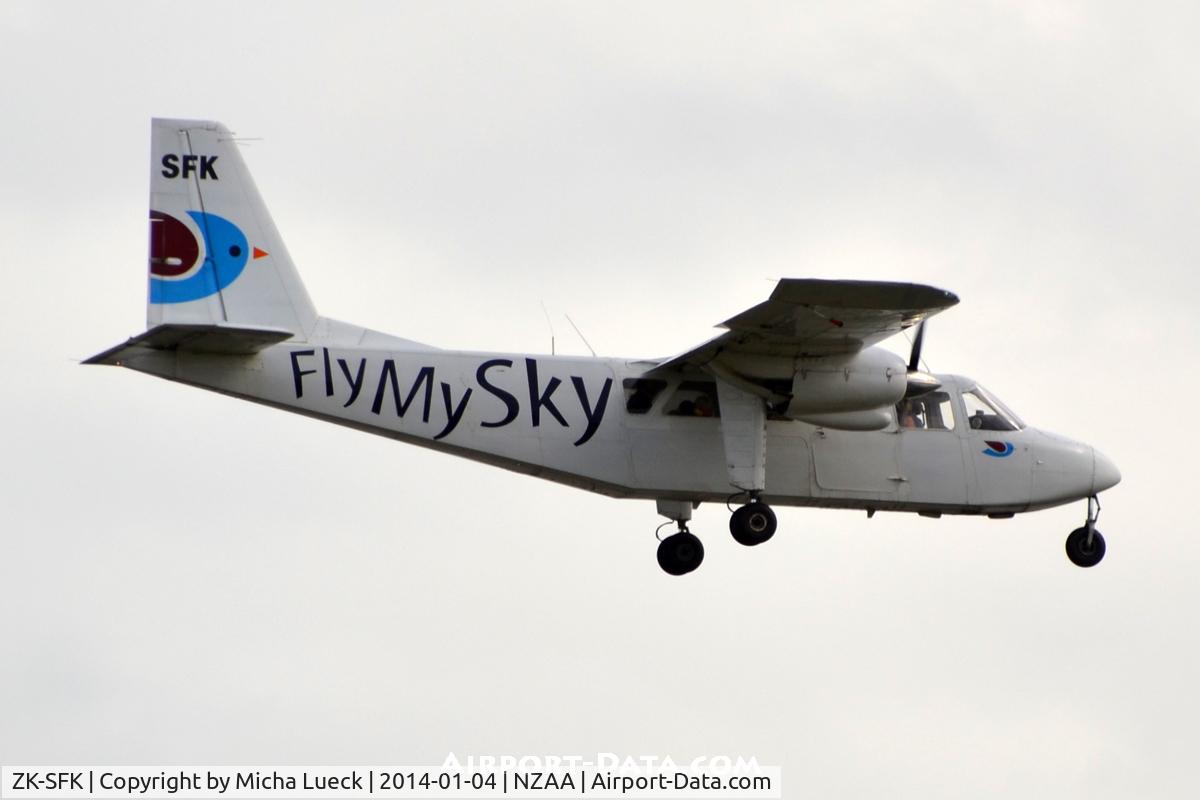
(930, 412)
(986, 413)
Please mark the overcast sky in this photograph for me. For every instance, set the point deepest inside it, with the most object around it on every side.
(185, 578)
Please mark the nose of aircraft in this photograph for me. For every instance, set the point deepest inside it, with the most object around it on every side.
(1105, 474)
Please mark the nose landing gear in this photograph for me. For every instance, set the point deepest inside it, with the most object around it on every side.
(1085, 546)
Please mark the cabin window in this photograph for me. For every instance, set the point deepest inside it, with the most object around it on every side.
(640, 393)
(694, 399)
(929, 412)
(986, 413)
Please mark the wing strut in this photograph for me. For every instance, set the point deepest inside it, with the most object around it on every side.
(744, 432)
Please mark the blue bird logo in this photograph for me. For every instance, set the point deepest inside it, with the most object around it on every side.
(174, 253)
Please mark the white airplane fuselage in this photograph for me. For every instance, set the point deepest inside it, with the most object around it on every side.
(567, 419)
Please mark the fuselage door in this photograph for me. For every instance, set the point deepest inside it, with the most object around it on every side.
(851, 463)
(999, 452)
(931, 459)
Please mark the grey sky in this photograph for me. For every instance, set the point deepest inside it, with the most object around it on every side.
(186, 578)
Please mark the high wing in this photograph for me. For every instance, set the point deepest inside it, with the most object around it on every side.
(809, 317)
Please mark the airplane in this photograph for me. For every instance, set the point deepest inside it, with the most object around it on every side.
(794, 404)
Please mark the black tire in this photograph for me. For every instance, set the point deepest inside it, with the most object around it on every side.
(1080, 553)
(753, 524)
(680, 553)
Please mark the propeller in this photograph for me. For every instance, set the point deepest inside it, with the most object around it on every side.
(914, 361)
(919, 382)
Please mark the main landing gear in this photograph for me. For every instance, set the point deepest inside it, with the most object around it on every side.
(679, 553)
(1085, 546)
(682, 552)
(753, 523)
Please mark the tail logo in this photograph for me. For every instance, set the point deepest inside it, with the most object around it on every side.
(178, 272)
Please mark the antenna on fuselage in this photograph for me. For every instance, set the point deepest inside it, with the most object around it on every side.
(550, 325)
(581, 336)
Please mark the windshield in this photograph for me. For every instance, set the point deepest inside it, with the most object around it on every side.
(986, 413)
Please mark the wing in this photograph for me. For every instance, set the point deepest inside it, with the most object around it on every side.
(806, 317)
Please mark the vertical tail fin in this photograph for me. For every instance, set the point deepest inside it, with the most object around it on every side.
(215, 255)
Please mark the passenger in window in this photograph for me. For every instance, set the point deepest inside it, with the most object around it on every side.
(640, 401)
(703, 406)
(908, 413)
(685, 409)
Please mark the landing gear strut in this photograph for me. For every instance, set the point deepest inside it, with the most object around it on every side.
(1085, 546)
(753, 523)
(682, 552)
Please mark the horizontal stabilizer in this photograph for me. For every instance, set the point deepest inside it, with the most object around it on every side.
(224, 339)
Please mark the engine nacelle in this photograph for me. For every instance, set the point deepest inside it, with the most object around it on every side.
(874, 420)
(872, 379)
